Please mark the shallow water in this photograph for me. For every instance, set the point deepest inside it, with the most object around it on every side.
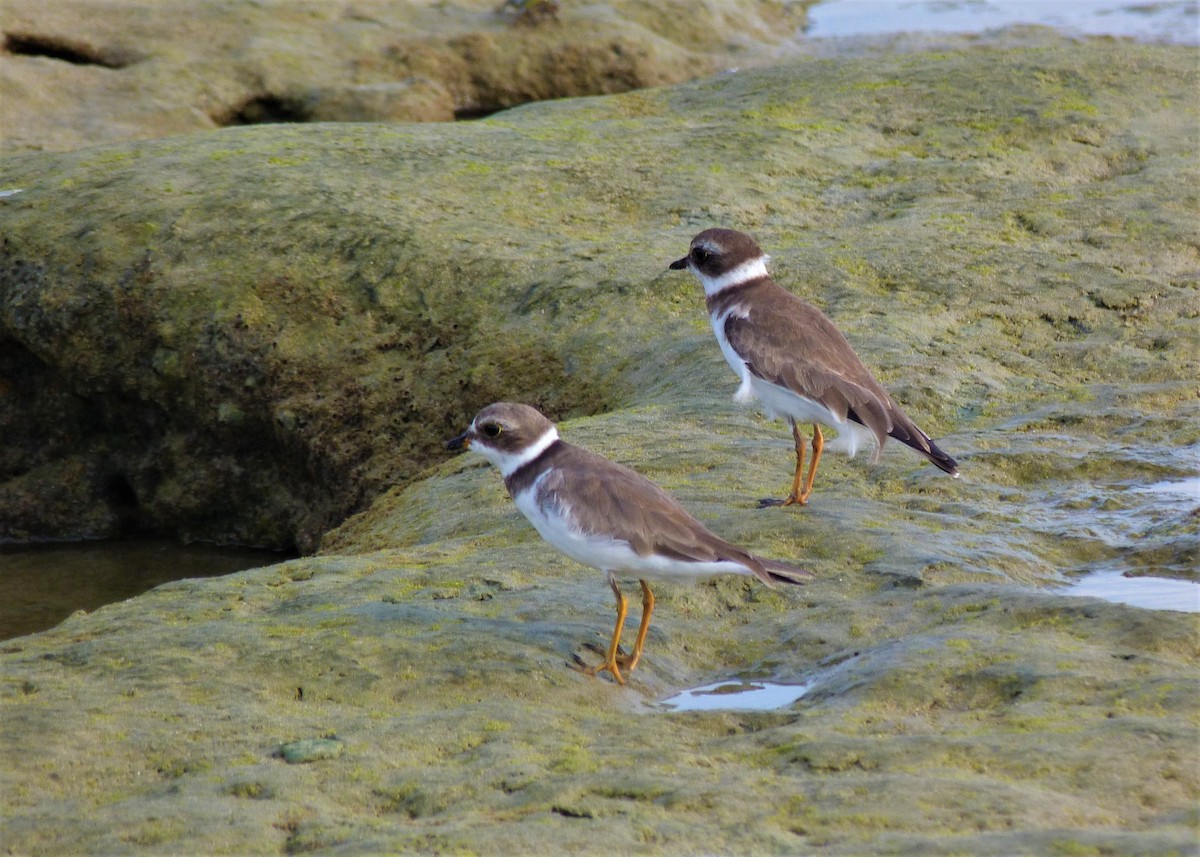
(1187, 489)
(752, 694)
(737, 695)
(1150, 593)
(1176, 21)
(1152, 528)
(44, 584)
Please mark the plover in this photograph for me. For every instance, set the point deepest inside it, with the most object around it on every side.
(789, 354)
(605, 515)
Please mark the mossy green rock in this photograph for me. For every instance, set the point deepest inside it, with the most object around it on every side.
(1007, 236)
(246, 335)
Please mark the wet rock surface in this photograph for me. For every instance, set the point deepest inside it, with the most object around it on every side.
(1007, 236)
(433, 683)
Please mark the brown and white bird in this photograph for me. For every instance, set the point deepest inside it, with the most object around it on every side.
(789, 354)
(605, 515)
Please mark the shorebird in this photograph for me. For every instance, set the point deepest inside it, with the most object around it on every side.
(605, 515)
(790, 356)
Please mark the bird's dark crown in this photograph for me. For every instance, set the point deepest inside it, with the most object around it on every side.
(718, 251)
(508, 426)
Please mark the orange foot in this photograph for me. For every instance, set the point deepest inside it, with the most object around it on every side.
(612, 666)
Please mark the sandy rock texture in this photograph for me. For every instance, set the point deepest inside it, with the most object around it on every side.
(258, 333)
(74, 73)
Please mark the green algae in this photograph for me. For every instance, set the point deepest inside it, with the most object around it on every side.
(977, 243)
(308, 750)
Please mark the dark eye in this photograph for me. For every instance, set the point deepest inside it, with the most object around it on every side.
(700, 254)
(491, 429)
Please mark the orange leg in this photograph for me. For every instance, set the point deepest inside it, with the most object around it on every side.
(795, 496)
(818, 444)
(631, 660)
(611, 663)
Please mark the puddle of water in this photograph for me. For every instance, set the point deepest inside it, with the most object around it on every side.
(1187, 488)
(737, 695)
(1150, 593)
(1175, 21)
(42, 585)
(1153, 529)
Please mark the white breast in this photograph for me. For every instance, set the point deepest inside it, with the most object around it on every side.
(746, 391)
(552, 520)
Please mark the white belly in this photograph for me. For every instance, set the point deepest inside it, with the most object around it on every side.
(609, 554)
(782, 403)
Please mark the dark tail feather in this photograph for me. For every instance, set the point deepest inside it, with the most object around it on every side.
(908, 434)
(911, 436)
(781, 572)
(940, 458)
(934, 453)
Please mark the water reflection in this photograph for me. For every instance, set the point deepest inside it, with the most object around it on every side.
(1150, 593)
(1187, 489)
(737, 695)
(42, 585)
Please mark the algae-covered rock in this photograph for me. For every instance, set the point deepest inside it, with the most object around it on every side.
(1007, 237)
(75, 73)
(246, 335)
(976, 719)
